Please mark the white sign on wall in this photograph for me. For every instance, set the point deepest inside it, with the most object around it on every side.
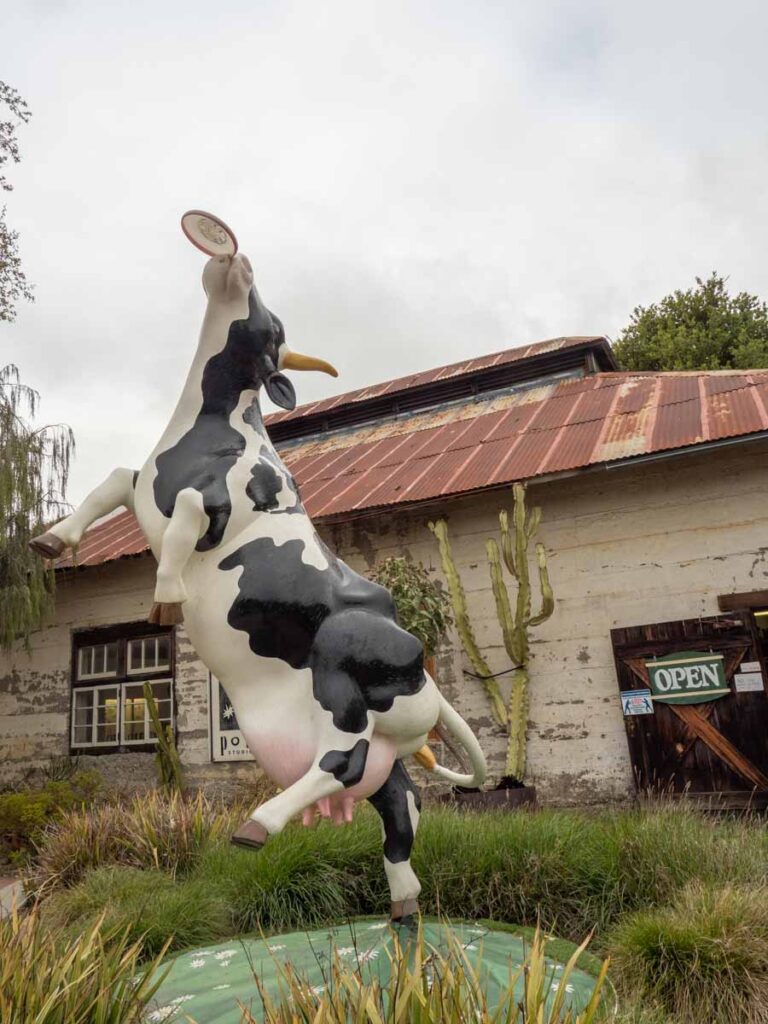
(227, 742)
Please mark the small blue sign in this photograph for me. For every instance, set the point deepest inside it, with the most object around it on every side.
(637, 702)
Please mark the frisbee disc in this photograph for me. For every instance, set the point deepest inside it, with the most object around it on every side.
(210, 234)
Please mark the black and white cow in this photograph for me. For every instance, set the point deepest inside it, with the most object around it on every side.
(330, 693)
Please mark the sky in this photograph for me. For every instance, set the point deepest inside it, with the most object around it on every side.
(415, 183)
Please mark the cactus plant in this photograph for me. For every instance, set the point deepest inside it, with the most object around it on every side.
(167, 757)
(515, 623)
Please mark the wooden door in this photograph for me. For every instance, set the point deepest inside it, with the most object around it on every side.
(715, 747)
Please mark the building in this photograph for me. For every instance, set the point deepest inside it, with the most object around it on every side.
(654, 518)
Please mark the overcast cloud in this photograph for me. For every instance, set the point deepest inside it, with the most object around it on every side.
(415, 183)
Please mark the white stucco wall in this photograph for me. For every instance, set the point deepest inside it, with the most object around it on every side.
(626, 547)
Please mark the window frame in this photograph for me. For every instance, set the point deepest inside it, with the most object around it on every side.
(147, 722)
(130, 670)
(94, 689)
(122, 634)
(91, 676)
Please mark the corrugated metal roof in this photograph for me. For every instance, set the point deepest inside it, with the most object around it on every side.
(548, 429)
(441, 373)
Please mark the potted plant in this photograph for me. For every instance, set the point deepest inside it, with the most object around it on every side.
(423, 607)
(516, 619)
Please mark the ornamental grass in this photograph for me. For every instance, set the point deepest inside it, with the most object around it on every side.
(92, 978)
(427, 986)
(704, 958)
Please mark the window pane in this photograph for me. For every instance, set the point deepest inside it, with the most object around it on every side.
(83, 715)
(135, 660)
(82, 735)
(133, 714)
(111, 658)
(163, 651)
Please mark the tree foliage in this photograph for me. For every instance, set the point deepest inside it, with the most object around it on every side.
(13, 282)
(34, 465)
(703, 328)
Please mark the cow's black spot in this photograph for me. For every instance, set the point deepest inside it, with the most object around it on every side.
(263, 487)
(252, 416)
(391, 803)
(346, 765)
(203, 456)
(331, 620)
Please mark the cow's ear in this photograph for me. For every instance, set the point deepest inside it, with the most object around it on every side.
(280, 391)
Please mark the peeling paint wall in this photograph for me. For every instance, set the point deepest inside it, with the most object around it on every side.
(35, 688)
(626, 546)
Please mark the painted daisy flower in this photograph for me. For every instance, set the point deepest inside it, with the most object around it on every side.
(225, 954)
(217, 988)
(376, 927)
(162, 1013)
(197, 963)
(367, 954)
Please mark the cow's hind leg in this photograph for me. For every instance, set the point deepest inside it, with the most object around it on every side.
(187, 525)
(398, 804)
(339, 763)
(115, 491)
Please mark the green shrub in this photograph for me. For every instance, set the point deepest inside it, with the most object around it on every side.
(90, 978)
(147, 906)
(423, 607)
(25, 812)
(704, 958)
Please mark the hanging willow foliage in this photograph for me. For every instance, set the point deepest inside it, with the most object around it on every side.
(34, 466)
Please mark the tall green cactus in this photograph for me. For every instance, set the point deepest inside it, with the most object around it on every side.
(167, 757)
(514, 623)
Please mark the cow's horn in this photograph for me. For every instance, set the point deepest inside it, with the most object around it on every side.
(296, 361)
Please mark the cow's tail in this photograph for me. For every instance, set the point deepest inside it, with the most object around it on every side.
(458, 728)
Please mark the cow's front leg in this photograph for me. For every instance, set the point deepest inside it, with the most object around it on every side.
(339, 763)
(187, 525)
(115, 491)
(398, 804)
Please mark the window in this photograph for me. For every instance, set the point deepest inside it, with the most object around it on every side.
(109, 670)
(97, 661)
(149, 654)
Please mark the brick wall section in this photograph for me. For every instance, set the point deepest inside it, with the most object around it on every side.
(626, 546)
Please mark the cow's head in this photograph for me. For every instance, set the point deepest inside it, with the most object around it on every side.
(228, 282)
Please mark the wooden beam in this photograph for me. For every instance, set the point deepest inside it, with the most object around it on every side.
(743, 602)
(719, 745)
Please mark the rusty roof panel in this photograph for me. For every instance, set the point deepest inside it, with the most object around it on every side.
(721, 382)
(682, 388)
(572, 443)
(734, 412)
(527, 456)
(480, 465)
(677, 425)
(634, 393)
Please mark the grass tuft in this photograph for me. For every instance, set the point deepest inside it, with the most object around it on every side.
(424, 985)
(90, 978)
(704, 958)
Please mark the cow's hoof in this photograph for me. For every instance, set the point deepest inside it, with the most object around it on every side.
(405, 914)
(48, 545)
(251, 834)
(166, 614)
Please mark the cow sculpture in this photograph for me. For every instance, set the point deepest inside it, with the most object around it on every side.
(330, 693)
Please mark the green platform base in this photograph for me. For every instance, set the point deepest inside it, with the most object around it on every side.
(207, 984)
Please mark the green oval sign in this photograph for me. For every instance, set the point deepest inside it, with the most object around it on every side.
(688, 677)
